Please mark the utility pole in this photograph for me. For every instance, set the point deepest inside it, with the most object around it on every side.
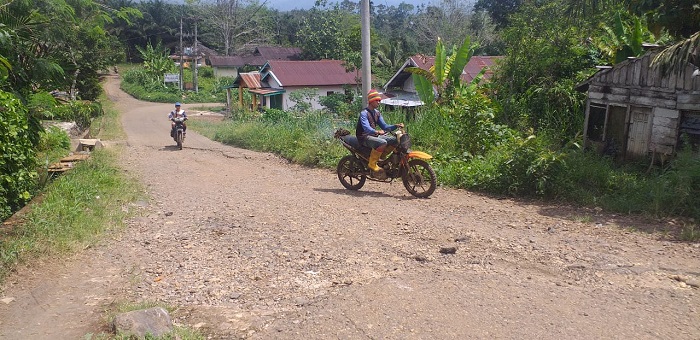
(366, 43)
(196, 59)
(182, 51)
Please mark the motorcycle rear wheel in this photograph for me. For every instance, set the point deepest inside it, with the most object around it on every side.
(351, 173)
(178, 139)
(419, 179)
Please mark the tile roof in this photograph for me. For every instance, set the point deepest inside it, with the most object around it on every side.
(258, 57)
(278, 53)
(310, 73)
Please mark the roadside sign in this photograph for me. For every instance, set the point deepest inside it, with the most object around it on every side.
(172, 78)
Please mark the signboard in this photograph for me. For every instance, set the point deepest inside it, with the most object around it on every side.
(172, 78)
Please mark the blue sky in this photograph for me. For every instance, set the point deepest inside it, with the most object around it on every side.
(286, 5)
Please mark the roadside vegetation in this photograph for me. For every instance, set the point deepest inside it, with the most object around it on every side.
(73, 209)
(519, 135)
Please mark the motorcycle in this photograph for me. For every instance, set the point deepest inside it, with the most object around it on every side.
(178, 133)
(398, 161)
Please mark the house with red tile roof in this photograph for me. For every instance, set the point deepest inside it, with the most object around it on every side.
(402, 90)
(229, 66)
(279, 78)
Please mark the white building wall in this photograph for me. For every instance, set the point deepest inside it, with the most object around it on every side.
(321, 91)
(409, 85)
(225, 72)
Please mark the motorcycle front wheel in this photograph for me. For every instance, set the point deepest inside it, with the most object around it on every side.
(419, 179)
(351, 173)
(179, 138)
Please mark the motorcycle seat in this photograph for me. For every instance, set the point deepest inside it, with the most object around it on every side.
(355, 144)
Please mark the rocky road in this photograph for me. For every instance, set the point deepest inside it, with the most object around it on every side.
(246, 245)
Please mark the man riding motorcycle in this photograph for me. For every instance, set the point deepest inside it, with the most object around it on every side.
(368, 134)
(177, 113)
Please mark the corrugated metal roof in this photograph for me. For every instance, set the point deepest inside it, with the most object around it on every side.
(251, 80)
(266, 92)
(310, 73)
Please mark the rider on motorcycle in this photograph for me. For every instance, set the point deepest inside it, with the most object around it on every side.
(177, 113)
(367, 133)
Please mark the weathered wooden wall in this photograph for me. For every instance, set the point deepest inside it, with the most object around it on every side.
(635, 83)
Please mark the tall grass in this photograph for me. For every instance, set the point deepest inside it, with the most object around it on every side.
(307, 140)
(73, 212)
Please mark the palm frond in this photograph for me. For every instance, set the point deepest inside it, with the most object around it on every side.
(675, 58)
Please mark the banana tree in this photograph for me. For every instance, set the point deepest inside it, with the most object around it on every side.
(440, 82)
(623, 41)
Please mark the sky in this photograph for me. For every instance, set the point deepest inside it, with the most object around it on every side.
(287, 5)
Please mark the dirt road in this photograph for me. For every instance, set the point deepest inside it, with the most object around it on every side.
(249, 246)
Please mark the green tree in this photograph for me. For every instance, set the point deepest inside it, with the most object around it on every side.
(545, 58)
(499, 10)
(680, 17)
(623, 40)
(448, 20)
(156, 60)
(330, 34)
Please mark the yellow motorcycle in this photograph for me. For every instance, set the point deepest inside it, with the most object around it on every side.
(398, 161)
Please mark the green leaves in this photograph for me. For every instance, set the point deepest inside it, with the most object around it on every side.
(17, 173)
(444, 75)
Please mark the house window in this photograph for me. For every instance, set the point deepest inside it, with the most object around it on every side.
(690, 127)
(276, 101)
(330, 93)
(596, 123)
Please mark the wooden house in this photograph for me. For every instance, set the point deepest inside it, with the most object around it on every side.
(272, 85)
(634, 110)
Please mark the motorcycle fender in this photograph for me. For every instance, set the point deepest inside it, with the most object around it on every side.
(419, 154)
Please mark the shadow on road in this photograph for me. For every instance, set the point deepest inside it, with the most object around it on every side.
(171, 148)
(354, 193)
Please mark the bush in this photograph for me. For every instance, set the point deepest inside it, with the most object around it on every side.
(17, 159)
(338, 104)
(144, 86)
(522, 166)
(80, 112)
(41, 104)
(53, 138)
(205, 72)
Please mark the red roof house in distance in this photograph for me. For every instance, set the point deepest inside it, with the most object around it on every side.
(403, 89)
(279, 78)
(229, 66)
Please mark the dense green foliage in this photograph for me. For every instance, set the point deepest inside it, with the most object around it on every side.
(17, 158)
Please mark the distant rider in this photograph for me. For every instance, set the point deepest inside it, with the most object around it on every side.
(177, 113)
(367, 133)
